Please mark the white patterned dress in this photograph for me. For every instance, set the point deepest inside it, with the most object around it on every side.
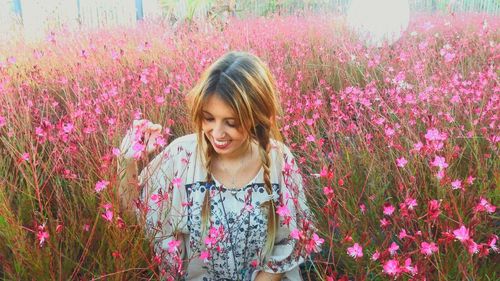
(174, 186)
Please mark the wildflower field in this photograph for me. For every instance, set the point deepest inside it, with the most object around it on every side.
(398, 145)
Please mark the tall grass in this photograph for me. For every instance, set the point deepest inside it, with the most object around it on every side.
(367, 125)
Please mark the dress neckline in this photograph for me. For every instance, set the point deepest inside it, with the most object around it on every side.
(236, 190)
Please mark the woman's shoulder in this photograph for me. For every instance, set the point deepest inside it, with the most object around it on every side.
(280, 149)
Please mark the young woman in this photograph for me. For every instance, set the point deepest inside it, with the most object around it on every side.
(221, 203)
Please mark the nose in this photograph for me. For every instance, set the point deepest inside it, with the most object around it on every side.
(218, 130)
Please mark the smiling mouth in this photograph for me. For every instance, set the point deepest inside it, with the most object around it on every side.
(221, 144)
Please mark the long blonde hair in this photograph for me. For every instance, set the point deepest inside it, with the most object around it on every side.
(245, 83)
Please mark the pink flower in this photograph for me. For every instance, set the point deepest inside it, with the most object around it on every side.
(177, 182)
(210, 241)
(101, 185)
(375, 256)
(327, 190)
(173, 245)
(484, 206)
(388, 209)
(434, 135)
(492, 242)
(439, 162)
(295, 234)
(411, 203)
(428, 248)
(68, 128)
(205, 256)
(310, 138)
(402, 234)
(461, 233)
(391, 267)
(384, 223)
(283, 211)
(116, 151)
(25, 156)
(457, 184)
(314, 244)
(318, 241)
(409, 268)
(393, 248)
(418, 146)
(472, 246)
(254, 263)
(356, 251)
(401, 162)
(362, 208)
(108, 215)
(2, 121)
(470, 180)
(42, 234)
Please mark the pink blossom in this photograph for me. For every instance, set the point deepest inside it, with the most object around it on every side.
(210, 241)
(470, 180)
(461, 233)
(173, 245)
(401, 162)
(391, 267)
(25, 156)
(409, 268)
(283, 211)
(439, 162)
(472, 246)
(317, 240)
(492, 242)
(116, 151)
(428, 248)
(418, 146)
(101, 185)
(393, 248)
(356, 251)
(384, 223)
(402, 234)
(375, 256)
(2, 121)
(108, 215)
(177, 182)
(411, 203)
(295, 234)
(362, 208)
(68, 128)
(254, 263)
(327, 190)
(388, 209)
(42, 234)
(205, 256)
(310, 138)
(484, 206)
(434, 135)
(456, 184)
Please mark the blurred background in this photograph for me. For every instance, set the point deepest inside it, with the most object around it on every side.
(31, 19)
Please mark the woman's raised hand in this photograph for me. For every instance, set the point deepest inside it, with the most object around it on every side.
(143, 138)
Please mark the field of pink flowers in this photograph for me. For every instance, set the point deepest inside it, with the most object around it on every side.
(399, 145)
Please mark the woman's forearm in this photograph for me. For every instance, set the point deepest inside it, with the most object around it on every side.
(128, 187)
(265, 276)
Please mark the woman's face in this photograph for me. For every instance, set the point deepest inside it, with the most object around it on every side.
(222, 128)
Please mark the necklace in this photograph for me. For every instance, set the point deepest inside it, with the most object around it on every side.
(233, 189)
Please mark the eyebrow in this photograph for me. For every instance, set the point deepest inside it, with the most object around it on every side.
(232, 118)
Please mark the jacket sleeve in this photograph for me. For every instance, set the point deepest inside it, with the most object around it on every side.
(161, 205)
